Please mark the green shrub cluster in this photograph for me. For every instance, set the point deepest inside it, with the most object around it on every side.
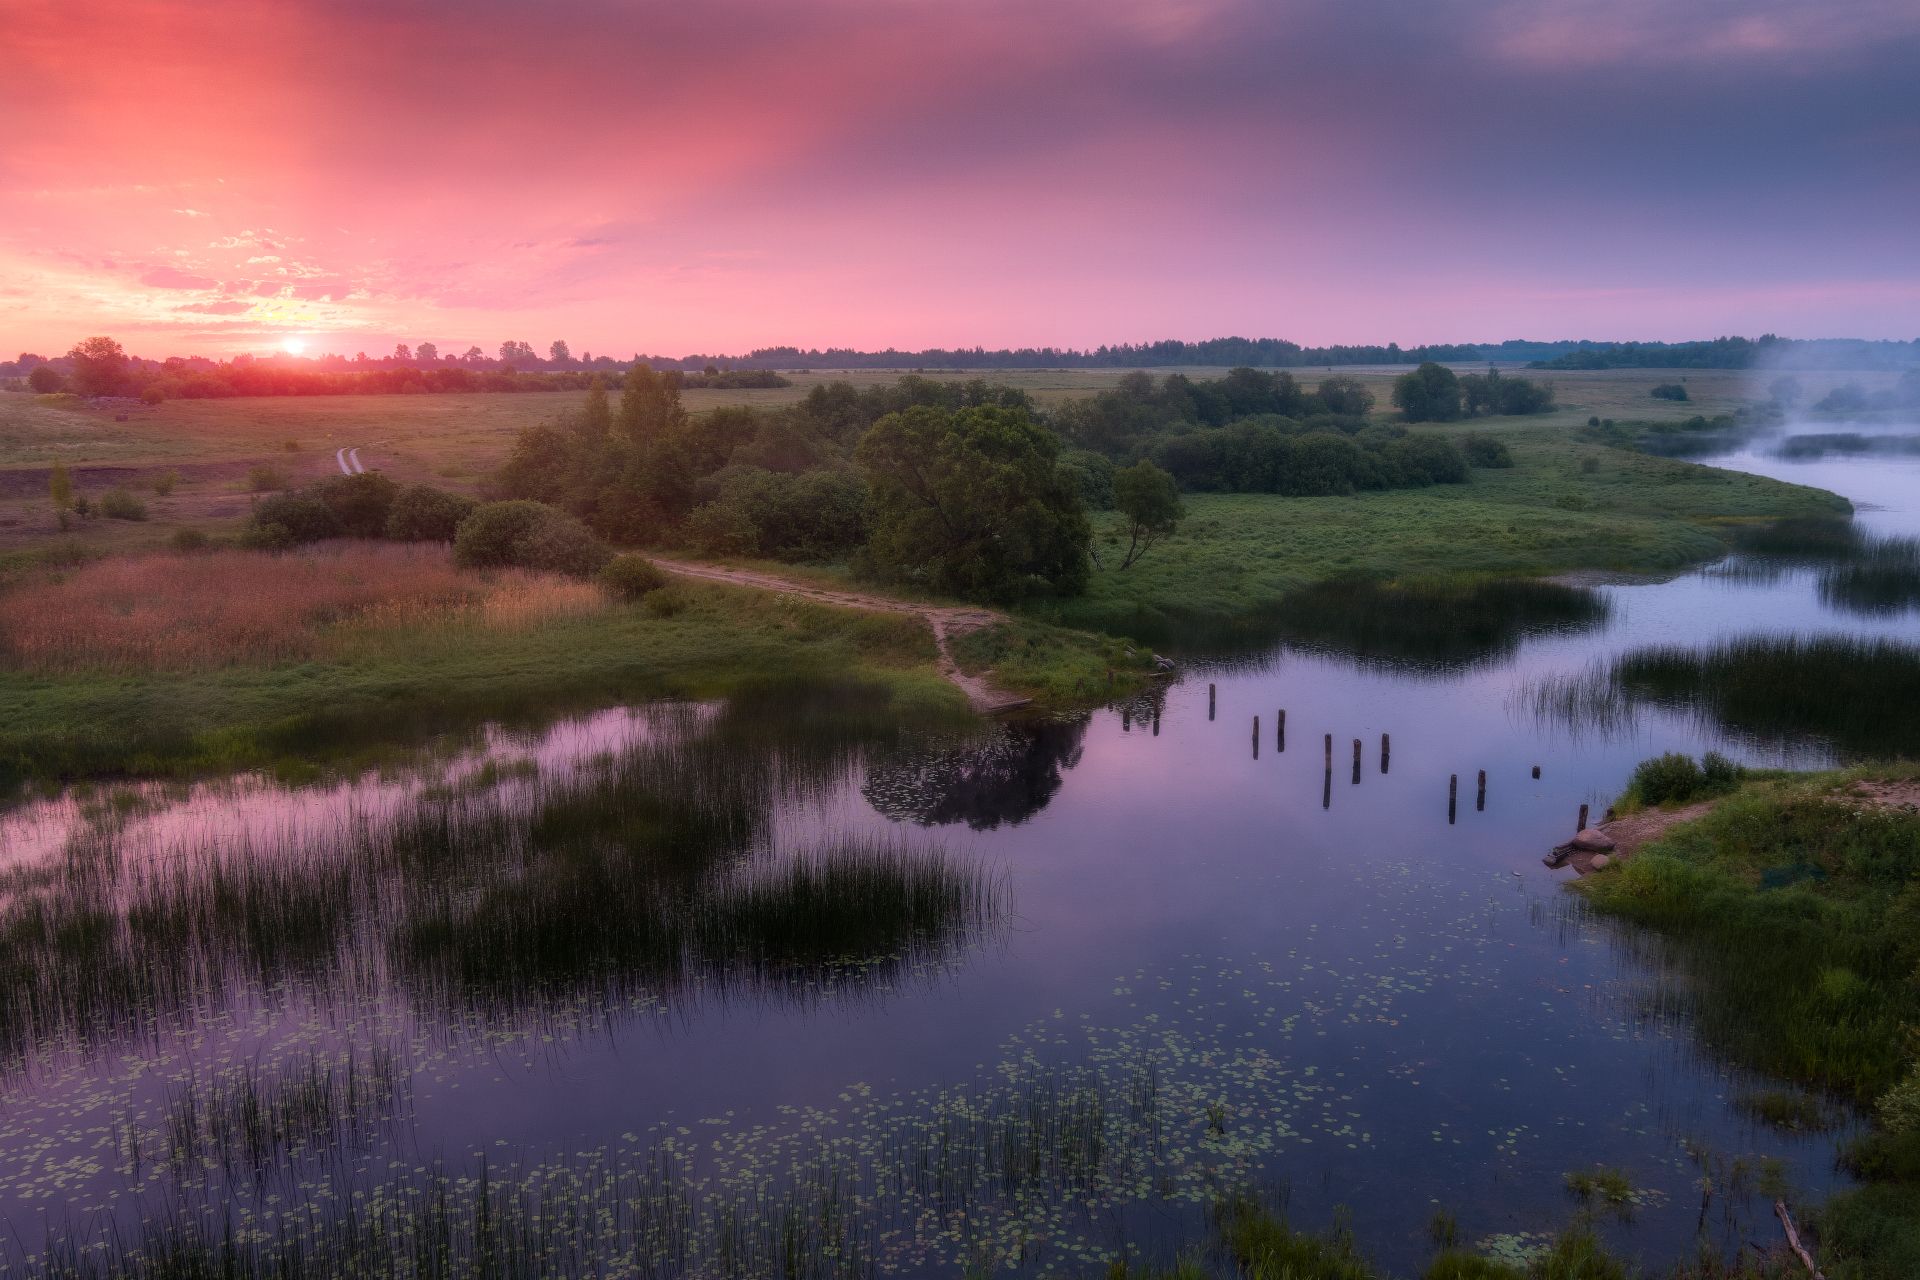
(631, 577)
(519, 534)
(367, 505)
(1675, 778)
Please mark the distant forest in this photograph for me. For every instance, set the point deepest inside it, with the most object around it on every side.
(100, 367)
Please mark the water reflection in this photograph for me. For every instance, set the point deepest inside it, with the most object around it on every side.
(1003, 776)
(629, 876)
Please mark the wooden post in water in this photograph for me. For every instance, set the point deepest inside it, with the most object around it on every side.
(1480, 800)
(1583, 819)
(1126, 719)
(1280, 734)
(1210, 694)
(1256, 737)
(1356, 762)
(1156, 722)
(1326, 789)
(1453, 795)
(1536, 771)
(1329, 753)
(1386, 750)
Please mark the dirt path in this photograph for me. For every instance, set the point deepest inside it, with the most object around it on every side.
(944, 620)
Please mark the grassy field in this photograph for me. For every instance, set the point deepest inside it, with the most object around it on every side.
(332, 688)
(1563, 505)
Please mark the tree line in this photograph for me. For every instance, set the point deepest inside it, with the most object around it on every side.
(101, 367)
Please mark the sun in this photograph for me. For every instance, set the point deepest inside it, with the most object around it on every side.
(294, 346)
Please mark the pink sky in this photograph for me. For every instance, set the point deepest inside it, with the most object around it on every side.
(712, 177)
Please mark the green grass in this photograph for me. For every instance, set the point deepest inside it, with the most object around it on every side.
(1053, 664)
(1240, 554)
(399, 684)
(1789, 927)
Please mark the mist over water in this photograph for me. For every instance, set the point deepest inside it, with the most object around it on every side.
(1200, 957)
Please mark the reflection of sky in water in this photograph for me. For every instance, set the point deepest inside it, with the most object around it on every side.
(1395, 1011)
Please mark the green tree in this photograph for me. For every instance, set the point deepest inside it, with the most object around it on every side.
(1344, 395)
(972, 502)
(99, 367)
(45, 378)
(650, 408)
(1430, 393)
(1150, 502)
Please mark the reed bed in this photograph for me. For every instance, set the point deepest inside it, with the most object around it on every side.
(239, 608)
(642, 878)
(1014, 1153)
(252, 1119)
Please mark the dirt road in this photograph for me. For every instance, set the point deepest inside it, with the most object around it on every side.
(944, 620)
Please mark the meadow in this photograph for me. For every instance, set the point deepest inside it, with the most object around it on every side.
(150, 665)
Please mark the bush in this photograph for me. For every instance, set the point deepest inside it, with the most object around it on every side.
(359, 503)
(163, 484)
(423, 513)
(1669, 391)
(188, 541)
(46, 380)
(1900, 1105)
(288, 519)
(527, 535)
(265, 479)
(1675, 778)
(630, 577)
(722, 529)
(1485, 451)
(153, 393)
(118, 504)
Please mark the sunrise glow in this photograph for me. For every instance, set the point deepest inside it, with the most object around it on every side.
(869, 173)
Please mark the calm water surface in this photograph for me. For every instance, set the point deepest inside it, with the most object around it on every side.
(1330, 990)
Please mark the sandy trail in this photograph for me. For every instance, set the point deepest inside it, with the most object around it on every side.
(944, 620)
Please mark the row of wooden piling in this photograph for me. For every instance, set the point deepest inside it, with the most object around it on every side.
(1386, 761)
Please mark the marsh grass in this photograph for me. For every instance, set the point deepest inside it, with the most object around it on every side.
(649, 876)
(1856, 694)
(251, 1119)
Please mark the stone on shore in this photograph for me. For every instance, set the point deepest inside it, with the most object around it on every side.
(1593, 840)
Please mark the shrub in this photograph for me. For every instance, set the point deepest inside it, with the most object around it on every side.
(631, 576)
(666, 602)
(1669, 391)
(423, 513)
(528, 535)
(359, 503)
(1900, 1105)
(722, 529)
(265, 479)
(1485, 451)
(287, 519)
(46, 380)
(1674, 778)
(118, 504)
(153, 393)
(188, 541)
(164, 483)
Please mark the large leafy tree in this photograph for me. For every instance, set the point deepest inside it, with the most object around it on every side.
(99, 367)
(970, 501)
(1430, 393)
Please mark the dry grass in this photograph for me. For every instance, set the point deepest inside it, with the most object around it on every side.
(242, 608)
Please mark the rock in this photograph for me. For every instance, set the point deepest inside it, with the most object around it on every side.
(1593, 840)
(1600, 860)
(1163, 664)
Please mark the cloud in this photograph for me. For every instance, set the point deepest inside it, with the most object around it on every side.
(166, 277)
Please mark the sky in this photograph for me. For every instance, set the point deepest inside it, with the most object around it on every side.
(634, 176)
